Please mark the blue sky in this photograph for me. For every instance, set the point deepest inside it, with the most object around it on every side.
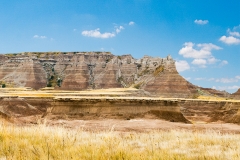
(202, 36)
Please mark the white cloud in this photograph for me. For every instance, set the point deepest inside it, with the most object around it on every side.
(227, 80)
(212, 60)
(233, 36)
(97, 34)
(208, 46)
(199, 79)
(230, 40)
(187, 78)
(236, 34)
(131, 23)
(203, 50)
(224, 62)
(200, 62)
(237, 77)
(118, 29)
(201, 53)
(233, 87)
(236, 27)
(211, 79)
(214, 87)
(228, 87)
(182, 66)
(40, 37)
(201, 22)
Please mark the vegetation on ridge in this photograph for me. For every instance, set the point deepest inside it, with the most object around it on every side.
(158, 70)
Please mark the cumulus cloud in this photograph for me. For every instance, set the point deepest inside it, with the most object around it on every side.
(224, 62)
(39, 37)
(202, 50)
(233, 37)
(131, 23)
(228, 87)
(235, 79)
(230, 40)
(182, 66)
(227, 80)
(212, 60)
(236, 34)
(201, 62)
(97, 34)
(118, 29)
(200, 53)
(201, 22)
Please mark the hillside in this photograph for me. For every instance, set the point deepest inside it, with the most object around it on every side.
(93, 70)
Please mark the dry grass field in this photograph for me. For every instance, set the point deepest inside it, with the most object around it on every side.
(115, 139)
(45, 142)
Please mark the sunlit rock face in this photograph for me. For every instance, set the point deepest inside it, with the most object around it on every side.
(93, 70)
(22, 71)
(236, 95)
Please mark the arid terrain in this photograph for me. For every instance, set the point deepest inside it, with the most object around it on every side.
(115, 124)
(78, 96)
(119, 109)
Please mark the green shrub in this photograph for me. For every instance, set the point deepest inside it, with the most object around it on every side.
(138, 85)
(49, 85)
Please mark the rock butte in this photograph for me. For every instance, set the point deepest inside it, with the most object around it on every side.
(142, 79)
(93, 70)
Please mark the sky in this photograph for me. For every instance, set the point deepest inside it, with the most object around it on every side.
(203, 36)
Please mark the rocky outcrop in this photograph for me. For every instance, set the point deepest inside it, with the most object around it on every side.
(11, 107)
(210, 111)
(116, 108)
(19, 109)
(93, 70)
(213, 92)
(31, 109)
(22, 71)
(236, 95)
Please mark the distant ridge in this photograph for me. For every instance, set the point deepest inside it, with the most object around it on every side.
(93, 70)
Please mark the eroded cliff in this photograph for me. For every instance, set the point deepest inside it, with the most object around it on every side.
(93, 70)
(236, 95)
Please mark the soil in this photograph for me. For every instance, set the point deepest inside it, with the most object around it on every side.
(133, 125)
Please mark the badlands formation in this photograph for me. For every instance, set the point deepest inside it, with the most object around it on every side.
(100, 85)
(94, 70)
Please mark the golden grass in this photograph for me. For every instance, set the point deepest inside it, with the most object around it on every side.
(58, 93)
(210, 98)
(43, 142)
